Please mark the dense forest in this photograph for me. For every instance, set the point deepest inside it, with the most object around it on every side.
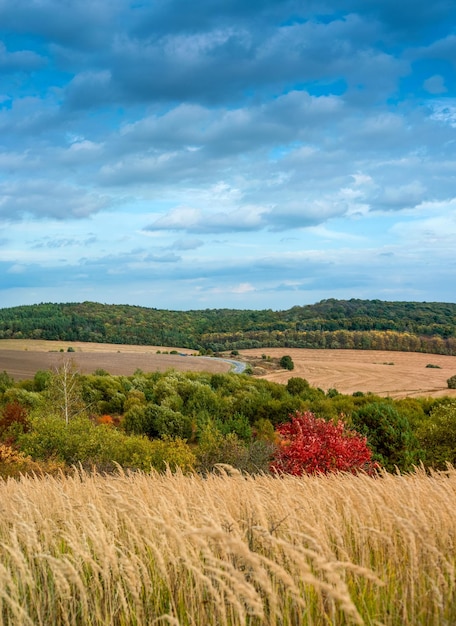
(359, 324)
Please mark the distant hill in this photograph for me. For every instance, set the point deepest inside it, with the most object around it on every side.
(359, 324)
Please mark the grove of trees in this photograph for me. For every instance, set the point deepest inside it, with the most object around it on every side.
(357, 324)
(195, 421)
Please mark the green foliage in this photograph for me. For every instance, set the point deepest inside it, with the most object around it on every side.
(415, 410)
(172, 454)
(134, 421)
(451, 382)
(214, 449)
(29, 399)
(389, 435)
(242, 411)
(162, 421)
(82, 441)
(6, 382)
(287, 362)
(102, 394)
(437, 436)
(237, 424)
(263, 430)
(360, 324)
(297, 386)
(41, 380)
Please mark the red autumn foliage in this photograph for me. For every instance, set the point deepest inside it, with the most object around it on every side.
(311, 445)
(11, 414)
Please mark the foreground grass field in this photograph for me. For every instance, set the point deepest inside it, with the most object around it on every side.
(228, 549)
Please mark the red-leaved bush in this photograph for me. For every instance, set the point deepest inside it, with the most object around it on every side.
(311, 445)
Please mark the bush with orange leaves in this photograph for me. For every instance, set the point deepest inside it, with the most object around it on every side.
(13, 464)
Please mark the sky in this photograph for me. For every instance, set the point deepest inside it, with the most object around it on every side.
(240, 154)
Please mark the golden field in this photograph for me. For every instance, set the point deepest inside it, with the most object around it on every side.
(386, 373)
(228, 549)
(393, 374)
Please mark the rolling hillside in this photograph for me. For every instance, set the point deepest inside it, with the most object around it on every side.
(351, 324)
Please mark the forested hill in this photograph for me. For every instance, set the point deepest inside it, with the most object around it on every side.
(360, 324)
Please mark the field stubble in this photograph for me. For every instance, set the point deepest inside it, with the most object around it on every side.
(228, 550)
(21, 358)
(393, 374)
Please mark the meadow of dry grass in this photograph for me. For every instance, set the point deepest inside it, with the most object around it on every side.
(228, 549)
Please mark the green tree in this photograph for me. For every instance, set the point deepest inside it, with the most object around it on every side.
(287, 362)
(6, 381)
(451, 382)
(237, 424)
(161, 421)
(41, 379)
(389, 435)
(437, 436)
(297, 386)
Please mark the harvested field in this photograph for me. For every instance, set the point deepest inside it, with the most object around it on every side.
(22, 358)
(393, 374)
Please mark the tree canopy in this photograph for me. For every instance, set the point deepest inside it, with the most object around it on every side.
(358, 324)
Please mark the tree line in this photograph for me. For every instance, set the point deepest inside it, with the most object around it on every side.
(356, 324)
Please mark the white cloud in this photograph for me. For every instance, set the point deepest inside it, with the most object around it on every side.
(247, 148)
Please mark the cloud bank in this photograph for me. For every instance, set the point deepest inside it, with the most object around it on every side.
(183, 156)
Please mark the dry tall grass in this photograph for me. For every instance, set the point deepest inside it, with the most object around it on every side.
(228, 549)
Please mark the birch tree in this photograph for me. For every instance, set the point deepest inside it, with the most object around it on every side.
(64, 390)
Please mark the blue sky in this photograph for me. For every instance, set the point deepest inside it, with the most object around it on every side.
(225, 153)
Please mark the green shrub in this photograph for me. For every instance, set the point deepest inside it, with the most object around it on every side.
(297, 386)
(82, 441)
(6, 381)
(215, 448)
(237, 424)
(172, 454)
(163, 421)
(389, 435)
(451, 382)
(263, 430)
(437, 436)
(41, 379)
(286, 362)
